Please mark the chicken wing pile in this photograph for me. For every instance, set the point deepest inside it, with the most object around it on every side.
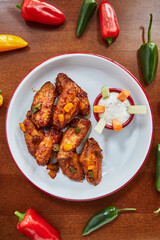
(53, 132)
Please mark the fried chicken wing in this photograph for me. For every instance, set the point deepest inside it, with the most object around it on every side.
(62, 114)
(41, 108)
(33, 136)
(61, 80)
(72, 168)
(69, 159)
(45, 148)
(91, 160)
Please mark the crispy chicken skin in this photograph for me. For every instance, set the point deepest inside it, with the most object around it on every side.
(46, 97)
(68, 95)
(72, 168)
(61, 80)
(45, 148)
(91, 160)
(33, 136)
(69, 160)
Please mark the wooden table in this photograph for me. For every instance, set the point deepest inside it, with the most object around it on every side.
(17, 193)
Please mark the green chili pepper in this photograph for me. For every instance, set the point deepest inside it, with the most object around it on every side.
(0, 91)
(36, 108)
(157, 180)
(86, 11)
(149, 57)
(102, 217)
(77, 130)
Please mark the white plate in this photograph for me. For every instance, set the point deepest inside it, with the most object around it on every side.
(123, 152)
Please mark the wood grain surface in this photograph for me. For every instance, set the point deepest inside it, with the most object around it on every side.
(16, 192)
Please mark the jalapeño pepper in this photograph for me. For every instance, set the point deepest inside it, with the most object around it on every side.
(149, 57)
(86, 11)
(102, 217)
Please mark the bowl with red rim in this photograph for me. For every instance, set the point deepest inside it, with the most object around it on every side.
(117, 90)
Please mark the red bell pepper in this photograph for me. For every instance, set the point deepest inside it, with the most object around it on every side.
(41, 12)
(35, 227)
(108, 22)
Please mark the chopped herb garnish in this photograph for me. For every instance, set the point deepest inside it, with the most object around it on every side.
(77, 130)
(72, 169)
(90, 173)
(55, 147)
(36, 108)
(0, 91)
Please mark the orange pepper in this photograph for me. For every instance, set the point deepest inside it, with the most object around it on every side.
(52, 174)
(123, 95)
(99, 109)
(117, 126)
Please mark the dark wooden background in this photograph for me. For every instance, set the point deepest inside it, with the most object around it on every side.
(16, 192)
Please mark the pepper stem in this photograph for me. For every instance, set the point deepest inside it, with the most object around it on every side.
(19, 6)
(110, 40)
(20, 215)
(149, 28)
(126, 209)
(157, 211)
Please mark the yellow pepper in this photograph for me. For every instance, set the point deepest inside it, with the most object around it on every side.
(1, 100)
(11, 42)
(91, 167)
(61, 118)
(68, 107)
(22, 127)
(67, 147)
